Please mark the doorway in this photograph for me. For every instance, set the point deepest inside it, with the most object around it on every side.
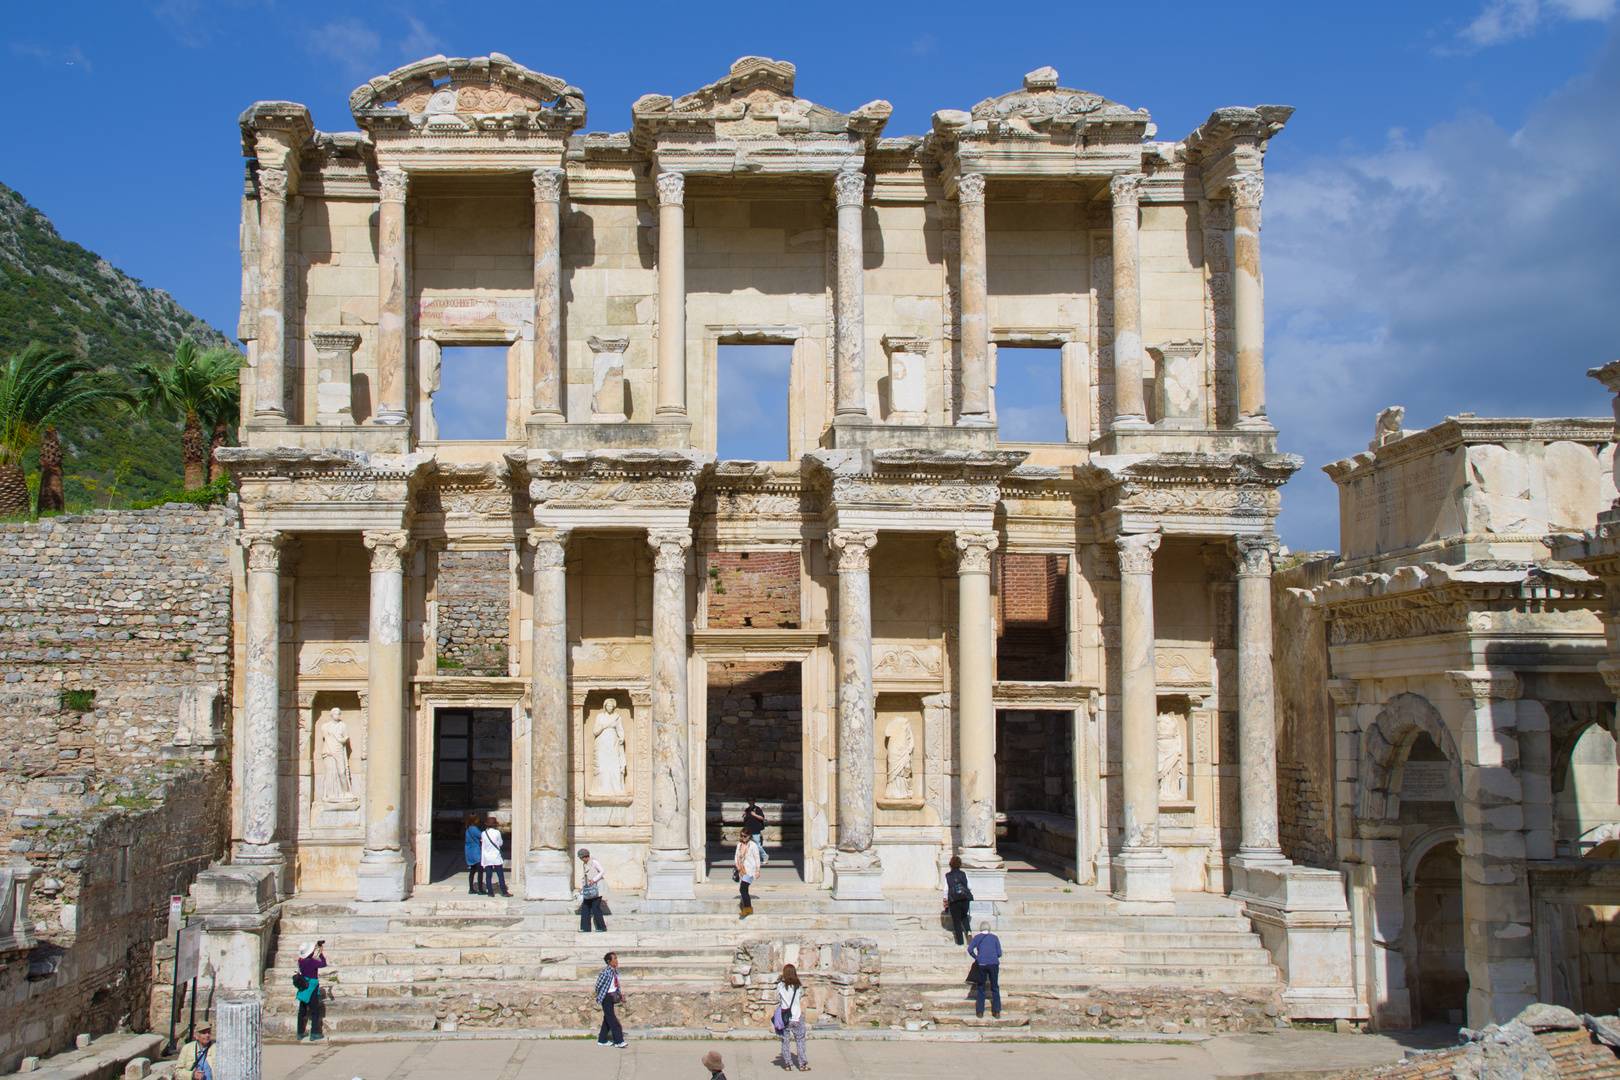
(1035, 816)
(756, 750)
(1440, 977)
(472, 774)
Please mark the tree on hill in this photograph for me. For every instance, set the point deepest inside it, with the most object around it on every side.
(40, 389)
(203, 388)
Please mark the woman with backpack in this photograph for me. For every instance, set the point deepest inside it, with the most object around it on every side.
(472, 843)
(958, 898)
(789, 1017)
(307, 987)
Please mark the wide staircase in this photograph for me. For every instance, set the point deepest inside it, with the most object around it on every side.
(399, 964)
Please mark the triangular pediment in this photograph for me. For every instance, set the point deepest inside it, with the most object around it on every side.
(481, 86)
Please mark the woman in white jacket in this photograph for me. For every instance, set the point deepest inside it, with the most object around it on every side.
(790, 1000)
(747, 870)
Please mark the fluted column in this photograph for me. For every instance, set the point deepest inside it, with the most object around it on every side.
(857, 869)
(1248, 303)
(975, 302)
(548, 349)
(976, 715)
(1142, 870)
(670, 869)
(391, 298)
(850, 190)
(1257, 707)
(270, 375)
(547, 869)
(261, 705)
(384, 871)
(1129, 409)
(671, 294)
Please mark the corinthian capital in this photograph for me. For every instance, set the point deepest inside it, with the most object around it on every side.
(387, 550)
(550, 546)
(973, 551)
(671, 189)
(849, 188)
(263, 549)
(548, 185)
(272, 183)
(393, 183)
(970, 188)
(1136, 552)
(669, 549)
(1126, 189)
(1254, 555)
(851, 549)
(1247, 191)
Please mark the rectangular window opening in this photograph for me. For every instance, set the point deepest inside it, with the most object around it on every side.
(470, 404)
(751, 402)
(1029, 394)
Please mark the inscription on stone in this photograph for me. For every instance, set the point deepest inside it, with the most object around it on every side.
(1425, 781)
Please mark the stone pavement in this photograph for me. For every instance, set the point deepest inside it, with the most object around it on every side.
(1283, 1055)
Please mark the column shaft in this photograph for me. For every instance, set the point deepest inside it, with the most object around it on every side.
(1129, 409)
(852, 551)
(850, 189)
(261, 712)
(975, 302)
(548, 347)
(547, 869)
(976, 715)
(270, 376)
(391, 297)
(671, 294)
(1257, 708)
(384, 871)
(670, 869)
(1142, 871)
(1248, 302)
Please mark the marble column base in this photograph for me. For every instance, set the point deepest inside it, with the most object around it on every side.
(670, 876)
(382, 876)
(1255, 423)
(1143, 876)
(267, 856)
(548, 875)
(986, 874)
(857, 876)
(1130, 423)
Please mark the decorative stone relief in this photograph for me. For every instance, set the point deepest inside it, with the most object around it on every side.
(849, 188)
(973, 551)
(908, 378)
(387, 550)
(391, 185)
(671, 189)
(899, 746)
(610, 762)
(1136, 553)
(1172, 731)
(970, 188)
(851, 549)
(272, 183)
(548, 185)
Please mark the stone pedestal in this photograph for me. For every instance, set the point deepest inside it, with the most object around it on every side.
(671, 295)
(384, 872)
(236, 908)
(908, 378)
(547, 869)
(1303, 920)
(849, 191)
(548, 301)
(1142, 870)
(857, 877)
(238, 1035)
(671, 870)
(975, 300)
(16, 926)
(857, 869)
(976, 716)
(261, 708)
(607, 379)
(270, 352)
(1129, 408)
(1248, 304)
(1179, 389)
(334, 376)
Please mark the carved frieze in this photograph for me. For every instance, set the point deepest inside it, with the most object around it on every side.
(331, 660)
(1393, 618)
(929, 496)
(908, 662)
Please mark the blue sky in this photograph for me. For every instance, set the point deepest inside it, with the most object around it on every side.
(1442, 226)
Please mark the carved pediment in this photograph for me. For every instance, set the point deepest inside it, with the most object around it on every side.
(755, 99)
(441, 90)
(1041, 107)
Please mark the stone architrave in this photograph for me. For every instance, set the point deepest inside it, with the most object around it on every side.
(548, 297)
(1142, 870)
(261, 706)
(1129, 408)
(976, 715)
(1248, 304)
(671, 870)
(849, 189)
(607, 379)
(270, 375)
(384, 873)
(857, 870)
(975, 302)
(334, 376)
(391, 297)
(671, 294)
(547, 869)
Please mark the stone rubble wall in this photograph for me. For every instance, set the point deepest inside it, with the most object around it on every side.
(1305, 741)
(474, 611)
(755, 718)
(136, 606)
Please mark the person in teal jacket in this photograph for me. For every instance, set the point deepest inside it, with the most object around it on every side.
(472, 844)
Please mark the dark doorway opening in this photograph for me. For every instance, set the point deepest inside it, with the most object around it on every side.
(1033, 645)
(472, 774)
(756, 750)
(1035, 818)
(1439, 974)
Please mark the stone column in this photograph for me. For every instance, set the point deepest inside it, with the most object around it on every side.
(1498, 947)
(1248, 303)
(261, 706)
(670, 869)
(548, 302)
(850, 314)
(240, 1018)
(671, 295)
(270, 376)
(975, 303)
(547, 868)
(1142, 869)
(334, 376)
(391, 298)
(1129, 409)
(857, 870)
(384, 871)
(976, 715)
(1257, 706)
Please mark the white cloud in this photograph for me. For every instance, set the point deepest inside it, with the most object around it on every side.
(68, 56)
(362, 50)
(1468, 268)
(1504, 20)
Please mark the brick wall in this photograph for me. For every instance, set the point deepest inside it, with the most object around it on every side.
(755, 725)
(474, 592)
(1033, 594)
(758, 589)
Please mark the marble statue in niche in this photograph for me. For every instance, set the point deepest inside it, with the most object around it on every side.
(607, 750)
(898, 745)
(1172, 758)
(337, 783)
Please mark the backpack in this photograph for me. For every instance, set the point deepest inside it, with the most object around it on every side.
(957, 881)
(300, 981)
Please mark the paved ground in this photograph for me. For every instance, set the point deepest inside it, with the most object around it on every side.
(1274, 1056)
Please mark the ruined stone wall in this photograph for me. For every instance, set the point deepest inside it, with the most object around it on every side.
(474, 611)
(757, 589)
(1305, 742)
(755, 742)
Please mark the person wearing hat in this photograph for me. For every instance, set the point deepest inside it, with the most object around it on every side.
(193, 1063)
(311, 959)
(716, 1067)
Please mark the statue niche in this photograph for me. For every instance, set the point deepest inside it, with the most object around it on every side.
(337, 781)
(899, 784)
(609, 766)
(1172, 758)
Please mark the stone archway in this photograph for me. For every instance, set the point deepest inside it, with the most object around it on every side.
(1437, 973)
(1385, 745)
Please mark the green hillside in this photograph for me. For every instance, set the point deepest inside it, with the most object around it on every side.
(54, 291)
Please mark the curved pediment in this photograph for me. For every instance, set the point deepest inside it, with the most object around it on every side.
(490, 85)
(1041, 106)
(755, 99)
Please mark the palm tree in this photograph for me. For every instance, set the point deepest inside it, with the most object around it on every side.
(50, 471)
(194, 385)
(225, 414)
(42, 388)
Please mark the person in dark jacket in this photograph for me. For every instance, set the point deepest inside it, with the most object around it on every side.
(311, 960)
(986, 952)
(957, 899)
(608, 995)
(754, 822)
(472, 843)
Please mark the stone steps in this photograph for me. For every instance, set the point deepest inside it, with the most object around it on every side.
(356, 946)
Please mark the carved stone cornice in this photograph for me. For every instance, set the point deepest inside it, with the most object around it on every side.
(669, 549)
(608, 477)
(1344, 692)
(263, 549)
(973, 550)
(387, 550)
(1486, 684)
(548, 184)
(970, 189)
(1247, 191)
(448, 96)
(849, 188)
(671, 189)
(1136, 552)
(851, 549)
(392, 185)
(1126, 189)
(1255, 554)
(1456, 431)
(1197, 486)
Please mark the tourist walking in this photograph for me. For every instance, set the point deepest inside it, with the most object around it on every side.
(494, 863)
(472, 842)
(311, 1008)
(590, 893)
(754, 821)
(958, 898)
(609, 995)
(790, 1014)
(986, 952)
(747, 870)
(716, 1067)
(193, 1062)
